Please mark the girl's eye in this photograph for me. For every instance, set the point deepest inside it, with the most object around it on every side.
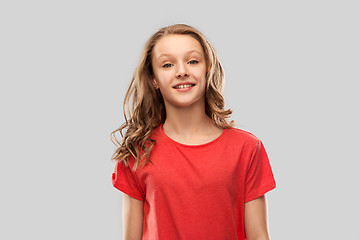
(193, 62)
(167, 65)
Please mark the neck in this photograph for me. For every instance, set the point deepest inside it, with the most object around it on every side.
(187, 121)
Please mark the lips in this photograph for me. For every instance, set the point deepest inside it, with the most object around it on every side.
(184, 83)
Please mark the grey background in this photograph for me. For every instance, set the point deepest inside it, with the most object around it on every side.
(292, 73)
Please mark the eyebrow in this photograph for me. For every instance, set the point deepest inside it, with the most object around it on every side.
(167, 54)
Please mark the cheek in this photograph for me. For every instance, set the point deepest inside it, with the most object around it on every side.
(201, 75)
(163, 77)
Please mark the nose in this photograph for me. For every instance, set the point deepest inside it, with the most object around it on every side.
(182, 71)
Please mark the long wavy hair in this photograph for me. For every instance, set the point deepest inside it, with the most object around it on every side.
(144, 108)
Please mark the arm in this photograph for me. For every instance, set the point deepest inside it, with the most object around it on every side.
(256, 219)
(132, 218)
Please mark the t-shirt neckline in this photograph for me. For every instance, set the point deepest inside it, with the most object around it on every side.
(193, 146)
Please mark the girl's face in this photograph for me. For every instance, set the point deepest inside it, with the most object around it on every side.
(179, 66)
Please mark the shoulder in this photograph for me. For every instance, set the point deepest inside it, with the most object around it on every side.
(155, 133)
(240, 135)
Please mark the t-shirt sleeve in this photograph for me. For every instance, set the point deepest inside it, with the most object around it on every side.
(259, 176)
(125, 180)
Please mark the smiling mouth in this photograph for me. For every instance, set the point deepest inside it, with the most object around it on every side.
(184, 86)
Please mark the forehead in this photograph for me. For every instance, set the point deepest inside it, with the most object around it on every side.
(176, 45)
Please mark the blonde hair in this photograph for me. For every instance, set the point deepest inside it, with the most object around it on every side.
(147, 105)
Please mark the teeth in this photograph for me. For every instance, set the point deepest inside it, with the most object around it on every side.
(183, 86)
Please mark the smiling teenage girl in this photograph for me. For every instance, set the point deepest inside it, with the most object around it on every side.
(185, 171)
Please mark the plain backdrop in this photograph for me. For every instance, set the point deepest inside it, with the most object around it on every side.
(292, 79)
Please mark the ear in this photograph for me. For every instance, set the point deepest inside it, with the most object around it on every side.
(155, 83)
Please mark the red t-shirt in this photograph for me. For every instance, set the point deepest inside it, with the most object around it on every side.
(198, 191)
